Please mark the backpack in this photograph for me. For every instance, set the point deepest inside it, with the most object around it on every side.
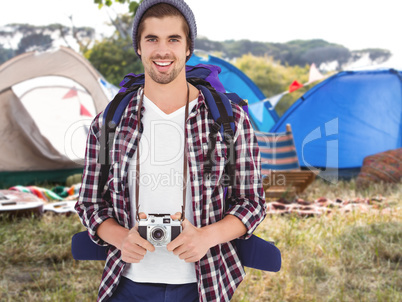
(205, 78)
(253, 252)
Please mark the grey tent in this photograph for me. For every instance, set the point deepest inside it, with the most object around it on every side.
(47, 101)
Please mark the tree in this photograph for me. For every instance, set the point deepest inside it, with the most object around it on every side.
(376, 55)
(273, 78)
(114, 58)
(235, 49)
(44, 37)
(123, 25)
(132, 4)
(5, 54)
(34, 41)
(208, 45)
(325, 54)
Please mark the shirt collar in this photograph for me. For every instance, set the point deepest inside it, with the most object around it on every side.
(200, 103)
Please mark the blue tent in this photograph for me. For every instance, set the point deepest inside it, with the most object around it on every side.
(263, 115)
(345, 118)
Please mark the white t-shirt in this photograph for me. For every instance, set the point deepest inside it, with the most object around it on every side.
(161, 191)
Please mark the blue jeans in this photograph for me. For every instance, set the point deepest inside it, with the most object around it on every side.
(130, 291)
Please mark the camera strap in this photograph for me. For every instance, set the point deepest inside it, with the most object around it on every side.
(137, 177)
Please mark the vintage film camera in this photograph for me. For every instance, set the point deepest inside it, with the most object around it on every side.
(159, 229)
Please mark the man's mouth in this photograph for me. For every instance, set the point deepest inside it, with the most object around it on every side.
(163, 64)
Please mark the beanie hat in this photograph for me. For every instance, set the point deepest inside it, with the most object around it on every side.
(180, 5)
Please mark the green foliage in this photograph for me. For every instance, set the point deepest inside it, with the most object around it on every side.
(41, 38)
(208, 45)
(35, 41)
(73, 179)
(5, 54)
(273, 78)
(325, 54)
(132, 4)
(297, 52)
(114, 58)
(123, 24)
(234, 49)
(377, 55)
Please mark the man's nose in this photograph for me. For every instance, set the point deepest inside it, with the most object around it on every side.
(163, 48)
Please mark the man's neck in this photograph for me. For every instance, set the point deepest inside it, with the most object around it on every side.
(169, 97)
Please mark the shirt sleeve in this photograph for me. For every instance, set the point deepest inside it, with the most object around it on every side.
(247, 200)
(92, 207)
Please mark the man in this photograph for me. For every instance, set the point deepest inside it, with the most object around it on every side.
(201, 264)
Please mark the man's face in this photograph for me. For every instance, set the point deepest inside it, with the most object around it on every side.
(163, 48)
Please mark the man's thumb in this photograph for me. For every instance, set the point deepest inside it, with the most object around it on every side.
(142, 215)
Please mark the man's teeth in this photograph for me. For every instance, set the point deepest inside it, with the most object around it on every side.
(163, 63)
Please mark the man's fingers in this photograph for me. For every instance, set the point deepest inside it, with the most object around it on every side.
(137, 240)
(142, 215)
(135, 247)
(132, 258)
(185, 223)
(176, 216)
(143, 243)
(188, 255)
(146, 245)
(171, 246)
(138, 249)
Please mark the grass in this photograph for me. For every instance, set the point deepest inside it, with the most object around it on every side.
(36, 262)
(336, 257)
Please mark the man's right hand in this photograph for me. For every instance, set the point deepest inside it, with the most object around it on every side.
(134, 247)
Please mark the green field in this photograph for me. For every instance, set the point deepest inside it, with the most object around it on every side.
(355, 256)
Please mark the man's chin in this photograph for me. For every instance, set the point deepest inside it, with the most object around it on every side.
(163, 80)
(163, 77)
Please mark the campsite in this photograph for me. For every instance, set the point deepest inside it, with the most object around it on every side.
(330, 143)
(340, 238)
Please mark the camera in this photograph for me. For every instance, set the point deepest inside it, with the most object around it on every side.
(159, 229)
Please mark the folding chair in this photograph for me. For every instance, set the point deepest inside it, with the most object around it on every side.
(280, 167)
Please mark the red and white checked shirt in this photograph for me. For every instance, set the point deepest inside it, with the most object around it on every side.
(220, 271)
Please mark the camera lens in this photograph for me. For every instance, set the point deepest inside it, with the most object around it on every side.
(158, 234)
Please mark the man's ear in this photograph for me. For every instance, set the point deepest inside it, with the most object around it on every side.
(139, 50)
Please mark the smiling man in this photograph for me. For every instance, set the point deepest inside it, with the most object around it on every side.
(200, 263)
(163, 53)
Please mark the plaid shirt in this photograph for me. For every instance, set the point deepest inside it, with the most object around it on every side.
(220, 271)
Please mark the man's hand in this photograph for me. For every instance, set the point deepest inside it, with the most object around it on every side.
(192, 244)
(134, 247)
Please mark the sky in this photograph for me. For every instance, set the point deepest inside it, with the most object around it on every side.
(355, 24)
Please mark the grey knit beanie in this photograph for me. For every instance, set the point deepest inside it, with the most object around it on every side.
(180, 5)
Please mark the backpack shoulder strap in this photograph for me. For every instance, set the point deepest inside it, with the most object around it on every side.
(218, 104)
(220, 107)
(111, 118)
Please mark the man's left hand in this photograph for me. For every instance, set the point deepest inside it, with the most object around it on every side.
(191, 245)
